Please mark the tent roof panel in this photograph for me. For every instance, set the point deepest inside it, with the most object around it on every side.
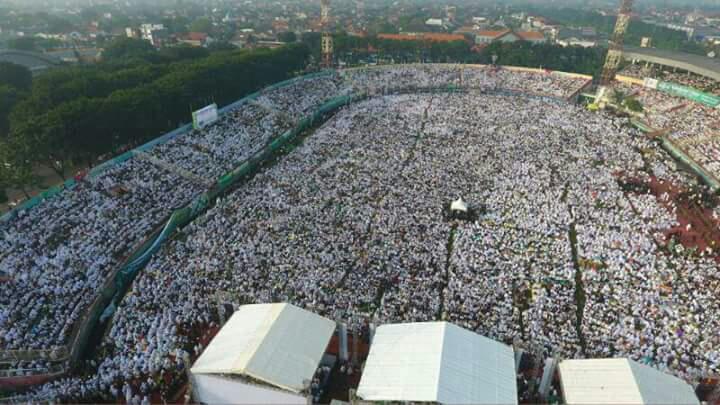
(279, 344)
(437, 362)
(612, 381)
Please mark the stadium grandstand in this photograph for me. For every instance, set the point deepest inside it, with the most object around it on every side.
(697, 64)
(34, 61)
(328, 192)
(680, 104)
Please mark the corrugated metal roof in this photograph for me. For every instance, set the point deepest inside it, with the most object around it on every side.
(437, 362)
(279, 344)
(698, 64)
(621, 381)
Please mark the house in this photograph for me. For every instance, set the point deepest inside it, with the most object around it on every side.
(156, 34)
(572, 41)
(467, 30)
(486, 37)
(195, 39)
(532, 36)
(434, 22)
(280, 25)
(423, 36)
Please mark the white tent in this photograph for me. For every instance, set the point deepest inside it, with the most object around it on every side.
(279, 344)
(614, 381)
(458, 205)
(437, 362)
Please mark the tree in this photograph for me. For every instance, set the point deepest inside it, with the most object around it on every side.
(617, 97)
(547, 56)
(9, 97)
(184, 52)
(202, 24)
(287, 36)
(76, 114)
(123, 48)
(633, 104)
(22, 44)
(16, 76)
(220, 46)
(41, 141)
(176, 25)
(16, 170)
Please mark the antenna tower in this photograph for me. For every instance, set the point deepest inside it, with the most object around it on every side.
(327, 40)
(615, 50)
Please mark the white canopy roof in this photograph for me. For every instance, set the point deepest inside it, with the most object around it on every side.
(279, 344)
(458, 205)
(621, 381)
(437, 362)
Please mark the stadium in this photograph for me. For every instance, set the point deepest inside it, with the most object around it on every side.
(594, 233)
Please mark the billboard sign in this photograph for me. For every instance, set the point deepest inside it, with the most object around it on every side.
(689, 93)
(205, 116)
(651, 83)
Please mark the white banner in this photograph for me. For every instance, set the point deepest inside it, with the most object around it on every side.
(205, 116)
(651, 83)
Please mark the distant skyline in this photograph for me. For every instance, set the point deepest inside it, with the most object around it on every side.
(712, 4)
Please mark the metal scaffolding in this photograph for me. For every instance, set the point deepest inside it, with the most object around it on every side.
(615, 50)
(327, 39)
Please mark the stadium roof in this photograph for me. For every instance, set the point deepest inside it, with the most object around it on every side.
(621, 381)
(697, 64)
(437, 362)
(279, 344)
(35, 62)
(424, 36)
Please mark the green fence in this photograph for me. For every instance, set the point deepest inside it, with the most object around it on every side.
(97, 170)
(683, 157)
(119, 281)
(689, 93)
(680, 155)
(183, 216)
(118, 285)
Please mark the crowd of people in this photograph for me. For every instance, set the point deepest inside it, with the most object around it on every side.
(59, 255)
(692, 126)
(380, 80)
(702, 83)
(350, 225)
(304, 97)
(214, 151)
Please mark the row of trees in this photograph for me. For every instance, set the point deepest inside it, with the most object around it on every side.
(573, 59)
(662, 37)
(353, 49)
(74, 119)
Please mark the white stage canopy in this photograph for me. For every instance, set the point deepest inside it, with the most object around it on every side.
(437, 362)
(621, 381)
(279, 344)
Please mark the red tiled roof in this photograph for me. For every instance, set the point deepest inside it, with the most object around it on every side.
(398, 37)
(197, 36)
(527, 35)
(427, 36)
(443, 37)
(493, 34)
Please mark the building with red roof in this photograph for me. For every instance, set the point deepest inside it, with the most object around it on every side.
(424, 36)
(486, 37)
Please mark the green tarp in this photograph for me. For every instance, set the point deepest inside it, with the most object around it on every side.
(689, 93)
